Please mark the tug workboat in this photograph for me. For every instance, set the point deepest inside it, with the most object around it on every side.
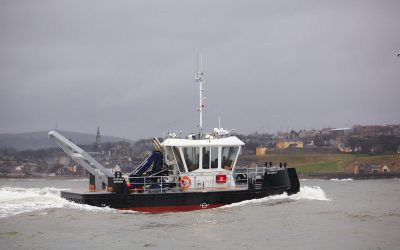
(181, 174)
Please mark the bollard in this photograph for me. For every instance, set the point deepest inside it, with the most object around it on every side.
(92, 183)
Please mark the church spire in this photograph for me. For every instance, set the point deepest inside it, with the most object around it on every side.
(98, 138)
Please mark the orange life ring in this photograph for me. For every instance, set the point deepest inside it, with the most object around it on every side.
(185, 182)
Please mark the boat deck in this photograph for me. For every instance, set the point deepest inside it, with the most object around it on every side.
(154, 191)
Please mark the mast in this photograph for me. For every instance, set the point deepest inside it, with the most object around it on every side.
(199, 78)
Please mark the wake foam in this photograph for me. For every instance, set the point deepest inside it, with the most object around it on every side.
(78, 180)
(16, 200)
(310, 193)
(306, 193)
(346, 179)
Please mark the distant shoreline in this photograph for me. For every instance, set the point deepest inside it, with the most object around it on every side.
(45, 177)
(348, 175)
(314, 175)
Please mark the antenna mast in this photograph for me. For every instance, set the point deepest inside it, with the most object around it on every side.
(199, 78)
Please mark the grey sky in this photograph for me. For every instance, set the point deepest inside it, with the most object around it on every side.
(129, 65)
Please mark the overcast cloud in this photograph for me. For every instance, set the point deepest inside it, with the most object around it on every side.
(128, 66)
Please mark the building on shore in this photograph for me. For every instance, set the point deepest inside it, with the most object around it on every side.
(370, 168)
(289, 143)
(261, 151)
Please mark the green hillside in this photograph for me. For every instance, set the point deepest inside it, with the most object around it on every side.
(308, 163)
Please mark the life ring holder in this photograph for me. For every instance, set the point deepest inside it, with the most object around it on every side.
(185, 182)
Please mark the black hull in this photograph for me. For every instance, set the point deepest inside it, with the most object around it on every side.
(283, 181)
(164, 202)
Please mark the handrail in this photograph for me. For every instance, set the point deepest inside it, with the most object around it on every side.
(162, 184)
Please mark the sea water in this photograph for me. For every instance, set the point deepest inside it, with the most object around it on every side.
(325, 214)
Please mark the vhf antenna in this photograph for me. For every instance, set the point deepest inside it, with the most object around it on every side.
(199, 78)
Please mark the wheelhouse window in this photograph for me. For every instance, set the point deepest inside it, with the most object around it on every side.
(228, 157)
(210, 157)
(178, 158)
(206, 157)
(214, 157)
(169, 155)
(191, 155)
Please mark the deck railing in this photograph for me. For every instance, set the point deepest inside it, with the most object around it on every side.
(199, 182)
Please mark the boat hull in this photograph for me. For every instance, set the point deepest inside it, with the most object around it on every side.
(279, 182)
(168, 202)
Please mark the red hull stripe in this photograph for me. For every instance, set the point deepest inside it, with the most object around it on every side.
(165, 209)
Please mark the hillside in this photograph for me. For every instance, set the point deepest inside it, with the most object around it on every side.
(310, 162)
(38, 140)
